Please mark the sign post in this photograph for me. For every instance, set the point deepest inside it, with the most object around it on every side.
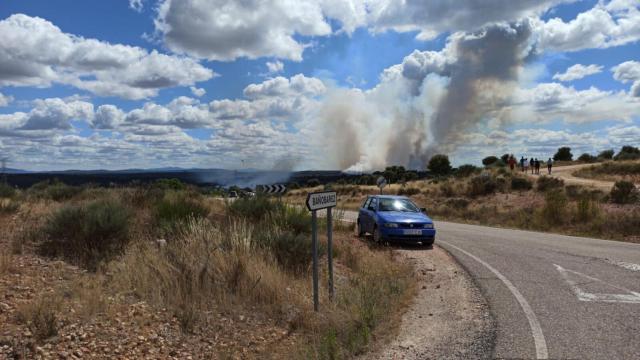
(317, 201)
(382, 182)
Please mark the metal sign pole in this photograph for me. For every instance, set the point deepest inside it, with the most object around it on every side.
(330, 252)
(314, 253)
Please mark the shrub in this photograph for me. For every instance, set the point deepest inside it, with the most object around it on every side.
(457, 203)
(447, 189)
(87, 235)
(170, 184)
(439, 165)
(6, 190)
(256, 208)
(466, 170)
(481, 185)
(554, 210)
(408, 191)
(606, 154)
(587, 158)
(292, 251)
(313, 183)
(9, 207)
(519, 183)
(628, 153)
(54, 190)
(545, 183)
(41, 316)
(586, 208)
(573, 191)
(624, 192)
(175, 208)
(563, 154)
(489, 160)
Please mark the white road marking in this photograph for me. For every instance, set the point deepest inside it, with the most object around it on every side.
(536, 330)
(626, 265)
(631, 297)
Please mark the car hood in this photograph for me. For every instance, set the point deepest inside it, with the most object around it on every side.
(399, 216)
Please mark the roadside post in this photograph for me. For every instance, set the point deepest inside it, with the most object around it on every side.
(381, 182)
(317, 201)
(278, 189)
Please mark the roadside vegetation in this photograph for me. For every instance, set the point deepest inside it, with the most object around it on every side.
(166, 271)
(496, 196)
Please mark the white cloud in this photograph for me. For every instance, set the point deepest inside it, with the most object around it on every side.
(605, 25)
(430, 18)
(274, 67)
(629, 71)
(578, 71)
(5, 100)
(107, 117)
(228, 29)
(199, 92)
(552, 101)
(35, 52)
(281, 86)
(136, 5)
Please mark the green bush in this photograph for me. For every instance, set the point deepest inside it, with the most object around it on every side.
(563, 154)
(54, 190)
(175, 208)
(292, 251)
(519, 183)
(554, 211)
(87, 234)
(586, 208)
(489, 160)
(587, 158)
(481, 185)
(170, 184)
(6, 190)
(255, 208)
(545, 183)
(624, 192)
(606, 154)
(439, 165)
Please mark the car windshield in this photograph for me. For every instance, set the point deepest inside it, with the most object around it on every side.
(403, 205)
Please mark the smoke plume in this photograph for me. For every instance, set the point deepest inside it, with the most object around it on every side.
(426, 104)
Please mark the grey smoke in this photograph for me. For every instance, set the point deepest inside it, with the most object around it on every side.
(427, 104)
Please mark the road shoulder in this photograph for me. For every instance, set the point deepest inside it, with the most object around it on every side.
(448, 319)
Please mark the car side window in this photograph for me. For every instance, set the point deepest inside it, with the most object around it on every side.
(366, 203)
(373, 204)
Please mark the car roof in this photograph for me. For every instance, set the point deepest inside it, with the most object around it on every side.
(388, 196)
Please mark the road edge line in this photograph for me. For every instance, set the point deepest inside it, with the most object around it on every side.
(536, 330)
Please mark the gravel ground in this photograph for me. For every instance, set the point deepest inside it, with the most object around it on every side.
(449, 318)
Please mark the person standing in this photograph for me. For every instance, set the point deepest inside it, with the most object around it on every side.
(531, 164)
(512, 162)
(537, 162)
(549, 165)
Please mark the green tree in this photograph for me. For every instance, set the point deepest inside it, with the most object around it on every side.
(489, 160)
(606, 154)
(439, 164)
(563, 154)
(587, 158)
(628, 153)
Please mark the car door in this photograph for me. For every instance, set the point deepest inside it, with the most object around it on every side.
(371, 214)
(363, 214)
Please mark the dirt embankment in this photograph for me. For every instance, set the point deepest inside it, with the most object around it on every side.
(448, 319)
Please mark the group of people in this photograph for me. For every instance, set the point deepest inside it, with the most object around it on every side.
(533, 164)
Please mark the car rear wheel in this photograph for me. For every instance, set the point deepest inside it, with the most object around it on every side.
(359, 230)
(376, 235)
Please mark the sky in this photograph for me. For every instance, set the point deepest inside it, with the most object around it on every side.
(313, 84)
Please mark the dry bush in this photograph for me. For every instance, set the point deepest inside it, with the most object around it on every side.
(41, 315)
(624, 192)
(8, 206)
(6, 262)
(545, 183)
(520, 183)
(481, 185)
(554, 211)
(90, 294)
(408, 191)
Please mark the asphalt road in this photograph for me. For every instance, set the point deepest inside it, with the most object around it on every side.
(552, 296)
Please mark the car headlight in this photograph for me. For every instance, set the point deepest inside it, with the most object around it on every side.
(428, 226)
(390, 225)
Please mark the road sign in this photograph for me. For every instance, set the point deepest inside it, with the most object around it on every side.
(272, 189)
(321, 200)
(315, 202)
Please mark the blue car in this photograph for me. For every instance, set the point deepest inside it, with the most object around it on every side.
(395, 219)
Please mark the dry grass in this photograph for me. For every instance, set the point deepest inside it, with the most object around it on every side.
(612, 171)
(6, 262)
(41, 315)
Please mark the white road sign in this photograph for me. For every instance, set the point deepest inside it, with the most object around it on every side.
(382, 182)
(321, 200)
